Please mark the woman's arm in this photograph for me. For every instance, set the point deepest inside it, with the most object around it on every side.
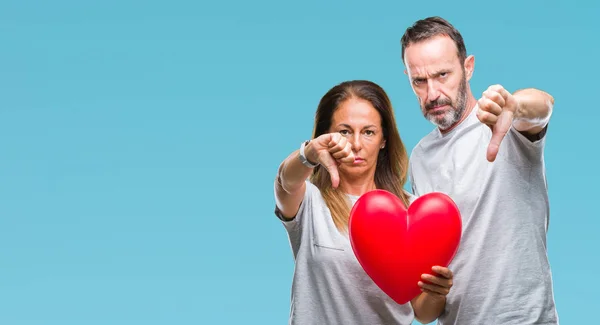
(430, 304)
(290, 186)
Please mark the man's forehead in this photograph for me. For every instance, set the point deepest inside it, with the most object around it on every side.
(431, 68)
(436, 53)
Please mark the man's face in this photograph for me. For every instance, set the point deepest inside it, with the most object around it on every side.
(439, 79)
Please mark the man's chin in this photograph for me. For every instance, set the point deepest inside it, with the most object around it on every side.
(441, 122)
(437, 118)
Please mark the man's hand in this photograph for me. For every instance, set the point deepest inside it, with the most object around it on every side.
(497, 108)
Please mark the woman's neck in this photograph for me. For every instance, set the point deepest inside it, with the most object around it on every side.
(357, 186)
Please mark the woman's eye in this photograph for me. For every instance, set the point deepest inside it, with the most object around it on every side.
(369, 132)
(344, 132)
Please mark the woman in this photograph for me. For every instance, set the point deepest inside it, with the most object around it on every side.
(355, 148)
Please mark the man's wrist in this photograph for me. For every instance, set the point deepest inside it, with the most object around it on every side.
(519, 110)
(522, 119)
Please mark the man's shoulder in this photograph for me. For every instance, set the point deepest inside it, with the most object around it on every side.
(411, 197)
(425, 141)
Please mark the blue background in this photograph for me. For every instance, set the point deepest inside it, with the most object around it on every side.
(139, 141)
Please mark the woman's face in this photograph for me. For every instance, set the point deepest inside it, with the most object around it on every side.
(358, 121)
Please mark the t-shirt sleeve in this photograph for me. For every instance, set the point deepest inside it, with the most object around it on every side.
(531, 139)
(530, 147)
(294, 224)
(295, 227)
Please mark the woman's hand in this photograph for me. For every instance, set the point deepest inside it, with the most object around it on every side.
(430, 304)
(330, 150)
(437, 284)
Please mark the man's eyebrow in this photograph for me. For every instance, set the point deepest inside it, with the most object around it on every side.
(439, 72)
(433, 74)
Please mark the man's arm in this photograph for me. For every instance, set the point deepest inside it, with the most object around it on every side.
(527, 111)
(534, 108)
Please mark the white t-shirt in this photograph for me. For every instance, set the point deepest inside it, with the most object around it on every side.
(329, 285)
(501, 270)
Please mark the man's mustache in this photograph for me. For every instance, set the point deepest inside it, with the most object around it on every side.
(438, 102)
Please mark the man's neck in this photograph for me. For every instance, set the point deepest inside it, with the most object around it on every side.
(471, 102)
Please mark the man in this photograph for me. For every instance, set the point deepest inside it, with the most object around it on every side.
(487, 155)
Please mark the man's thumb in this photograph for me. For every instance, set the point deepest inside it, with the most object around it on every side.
(492, 150)
(498, 133)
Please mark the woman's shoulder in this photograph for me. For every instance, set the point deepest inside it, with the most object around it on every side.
(311, 189)
(306, 207)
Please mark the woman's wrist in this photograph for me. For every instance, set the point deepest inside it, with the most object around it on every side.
(311, 154)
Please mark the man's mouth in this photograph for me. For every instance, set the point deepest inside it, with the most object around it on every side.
(437, 108)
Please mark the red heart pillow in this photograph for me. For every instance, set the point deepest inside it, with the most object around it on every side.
(395, 246)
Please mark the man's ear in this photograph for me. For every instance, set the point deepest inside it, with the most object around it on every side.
(469, 66)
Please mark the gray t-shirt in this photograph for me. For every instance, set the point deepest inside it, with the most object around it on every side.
(501, 271)
(329, 285)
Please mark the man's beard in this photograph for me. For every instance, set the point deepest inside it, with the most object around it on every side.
(449, 117)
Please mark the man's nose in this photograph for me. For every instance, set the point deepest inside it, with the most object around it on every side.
(433, 90)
